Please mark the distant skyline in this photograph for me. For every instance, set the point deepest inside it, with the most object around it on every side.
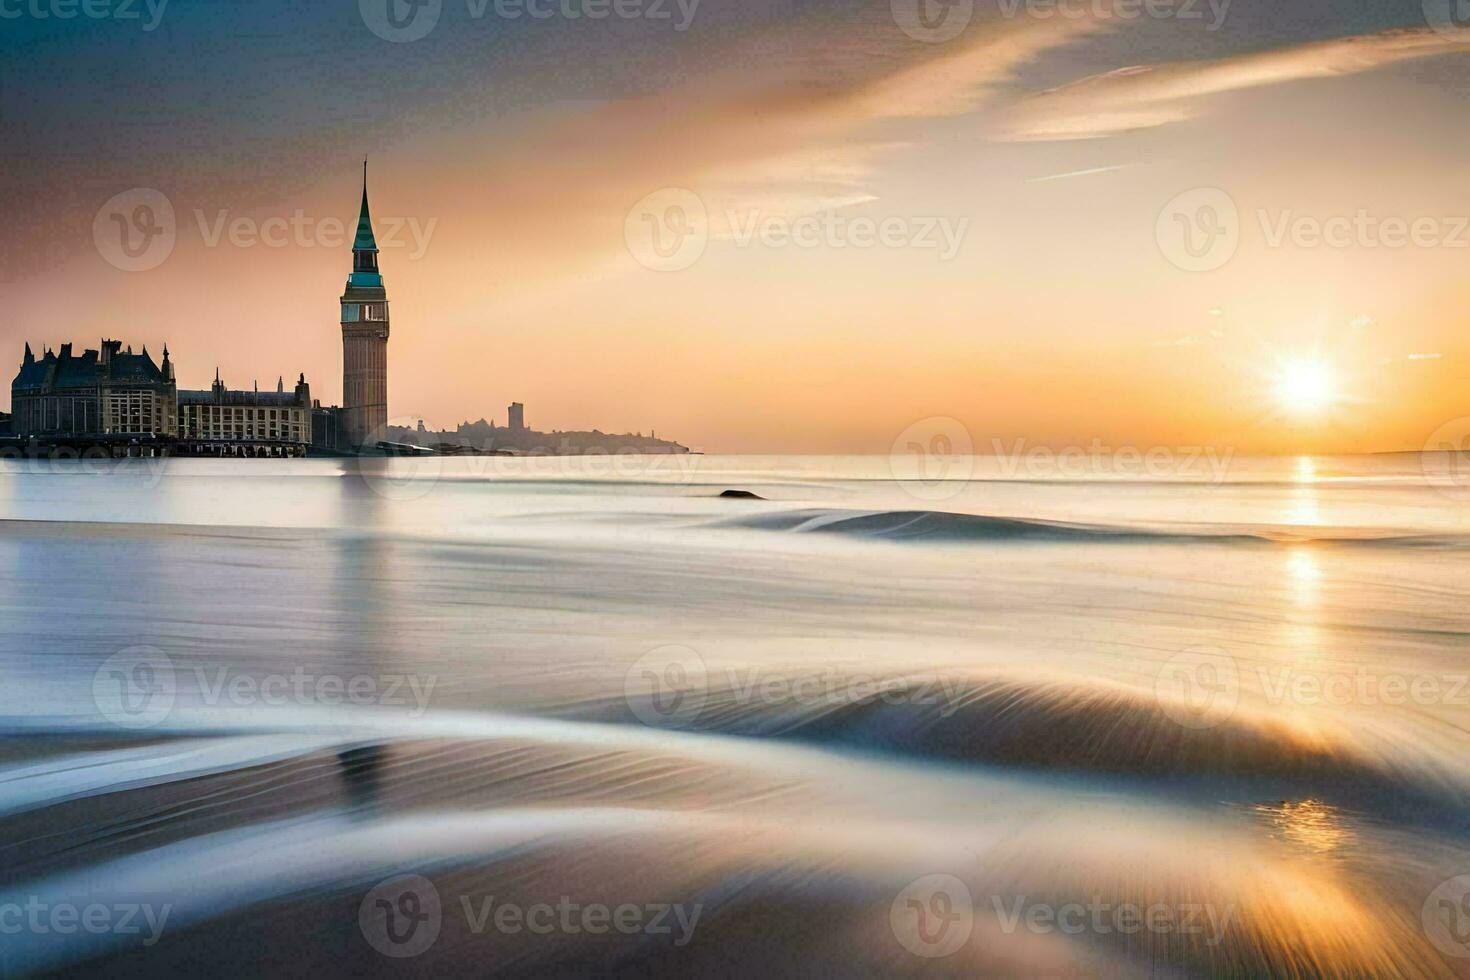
(1257, 242)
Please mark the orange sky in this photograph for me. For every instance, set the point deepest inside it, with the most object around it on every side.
(1059, 318)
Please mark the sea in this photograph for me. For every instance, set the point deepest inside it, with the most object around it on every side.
(1067, 716)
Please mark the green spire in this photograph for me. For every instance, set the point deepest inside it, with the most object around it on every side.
(365, 242)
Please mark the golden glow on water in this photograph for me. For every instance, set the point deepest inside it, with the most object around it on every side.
(531, 603)
(1303, 638)
(1305, 573)
(1311, 824)
(1304, 495)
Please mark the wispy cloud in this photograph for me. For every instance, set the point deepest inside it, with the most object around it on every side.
(1080, 173)
(804, 136)
(1148, 96)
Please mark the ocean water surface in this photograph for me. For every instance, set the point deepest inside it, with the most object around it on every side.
(561, 716)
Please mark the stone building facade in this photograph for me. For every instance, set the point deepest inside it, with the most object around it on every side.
(108, 395)
(220, 422)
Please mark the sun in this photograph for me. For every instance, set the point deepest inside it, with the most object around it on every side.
(1304, 387)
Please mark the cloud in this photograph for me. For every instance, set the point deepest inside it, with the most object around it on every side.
(803, 135)
(1144, 97)
(1091, 171)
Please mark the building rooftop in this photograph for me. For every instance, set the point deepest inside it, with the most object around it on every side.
(267, 399)
(64, 370)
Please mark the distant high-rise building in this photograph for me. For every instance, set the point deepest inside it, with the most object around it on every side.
(364, 338)
(517, 421)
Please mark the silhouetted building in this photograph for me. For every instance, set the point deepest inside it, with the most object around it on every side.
(106, 395)
(517, 422)
(364, 339)
(220, 422)
(326, 428)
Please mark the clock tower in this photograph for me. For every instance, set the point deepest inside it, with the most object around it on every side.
(364, 340)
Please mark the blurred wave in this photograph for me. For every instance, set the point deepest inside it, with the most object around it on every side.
(810, 729)
(941, 526)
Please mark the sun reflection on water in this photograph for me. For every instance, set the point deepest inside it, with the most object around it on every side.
(1311, 824)
(1304, 496)
(1303, 630)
